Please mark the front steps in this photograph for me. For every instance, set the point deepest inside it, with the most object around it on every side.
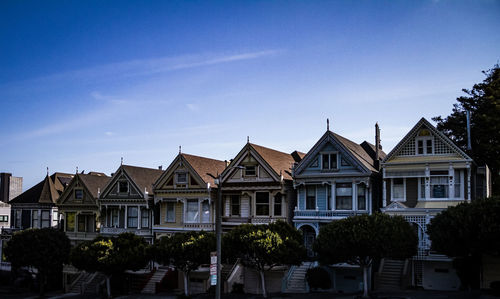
(389, 278)
(150, 287)
(297, 279)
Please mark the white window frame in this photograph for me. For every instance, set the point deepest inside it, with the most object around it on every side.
(337, 164)
(197, 215)
(424, 140)
(42, 220)
(83, 194)
(315, 197)
(177, 178)
(392, 190)
(145, 215)
(167, 220)
(353, 194)
(250, 175)
(37, 223)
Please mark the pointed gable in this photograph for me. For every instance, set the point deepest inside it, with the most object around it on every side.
(138, 179)
(260, 163)
(89, 184)
(199, 171)
(425, 141)
(46, 191)
(351, 155)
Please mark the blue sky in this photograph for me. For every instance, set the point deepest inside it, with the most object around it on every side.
(84, 83)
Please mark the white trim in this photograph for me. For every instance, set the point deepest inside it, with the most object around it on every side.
(404, 190)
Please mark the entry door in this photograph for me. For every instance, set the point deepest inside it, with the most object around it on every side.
(309, 237)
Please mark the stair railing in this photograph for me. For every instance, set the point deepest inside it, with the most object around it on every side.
(286, 278)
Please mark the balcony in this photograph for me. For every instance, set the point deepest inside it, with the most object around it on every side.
(266, 220)
(81, 236)
(199, 226)
(325, 215)
(119, 230)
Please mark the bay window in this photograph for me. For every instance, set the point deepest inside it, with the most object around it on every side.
(361, 197)
(170, 212)
(45, 218)
(192, 213)
(132, 217)
(34, 219)
(144, 218)
(398, 189)
(262, 204)
(310, 197)
(343, 196)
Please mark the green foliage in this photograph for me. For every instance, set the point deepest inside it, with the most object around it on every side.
(467, 229)
(45, 249)
(186, 251)
(483, 100)
(111, 255)
(359, 240)
(263, 247)
(318, 278)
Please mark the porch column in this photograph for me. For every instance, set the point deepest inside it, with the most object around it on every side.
(126, 218)
(334, 200)
(451, 182)
(384, 193)
(354, 196)
(427, 182)
(468, 182)
(138, 217)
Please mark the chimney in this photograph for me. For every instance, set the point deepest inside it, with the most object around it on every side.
(227, 162)
(160, 167)
(377, 147)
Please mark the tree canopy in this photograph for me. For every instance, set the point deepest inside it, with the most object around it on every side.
(262, 247)
(467, 229)
(360, 240)
(45, 249)
(483, 101)
(111, 255)
(186, 251)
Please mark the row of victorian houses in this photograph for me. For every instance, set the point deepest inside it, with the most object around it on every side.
(337, 178)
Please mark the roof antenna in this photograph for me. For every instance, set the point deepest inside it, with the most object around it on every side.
(180, 149)
(121, 161)
(77, 170)
(327, 124)
(248, 139)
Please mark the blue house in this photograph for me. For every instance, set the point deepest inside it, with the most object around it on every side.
(336, 179)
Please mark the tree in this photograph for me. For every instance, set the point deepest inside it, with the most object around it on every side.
(186, 251)
(483, 101)
(360, 240)
(111, 255)
(45, 249)
(263, 247)
(467, 232)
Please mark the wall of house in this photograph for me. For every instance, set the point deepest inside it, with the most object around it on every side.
(440, 276)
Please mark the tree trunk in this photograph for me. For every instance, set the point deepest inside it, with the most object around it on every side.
(108, 286)
(41, 282)
(263, 283)
(186, 282)
(365, 281)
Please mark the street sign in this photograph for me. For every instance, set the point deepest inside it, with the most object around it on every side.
(213, 268)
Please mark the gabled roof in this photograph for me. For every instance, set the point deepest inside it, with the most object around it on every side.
(280, 162)
(143, 177)
(203, 166)
(413, 132)
(359, 151)
(46, 191)
(93, 182)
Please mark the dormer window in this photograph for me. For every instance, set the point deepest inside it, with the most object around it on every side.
(424, 143)
(250, 170)
(123, 187)
(181, 178)
(329, 161)
(79, 194)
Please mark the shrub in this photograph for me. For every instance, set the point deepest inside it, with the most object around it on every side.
(318, 278)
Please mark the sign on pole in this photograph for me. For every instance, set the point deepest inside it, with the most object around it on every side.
(213, 268)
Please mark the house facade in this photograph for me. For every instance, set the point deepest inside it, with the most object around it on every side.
(422, 176)
(126, 202)
(257, 186)
(337, 178)
(79, 206)
(183, 195)
(36, 207)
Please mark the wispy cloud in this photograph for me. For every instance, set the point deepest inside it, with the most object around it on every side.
(147, 67)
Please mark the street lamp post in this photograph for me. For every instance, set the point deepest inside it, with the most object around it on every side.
(218, 230)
